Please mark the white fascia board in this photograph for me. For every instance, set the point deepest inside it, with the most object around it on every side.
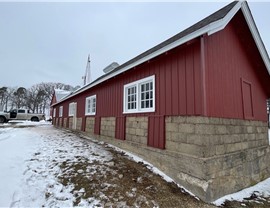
(222, 23)
(209, 29)
(256, 35)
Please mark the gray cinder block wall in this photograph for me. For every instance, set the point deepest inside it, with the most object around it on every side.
(90, 125)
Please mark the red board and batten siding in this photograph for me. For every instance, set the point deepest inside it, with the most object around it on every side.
(178, 92)
(229, 68)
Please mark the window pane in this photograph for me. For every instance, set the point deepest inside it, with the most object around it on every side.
(147, 86)
(147, 104)
(143, 96)
(147, 95)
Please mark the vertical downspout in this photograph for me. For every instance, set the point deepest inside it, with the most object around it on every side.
(203, 74)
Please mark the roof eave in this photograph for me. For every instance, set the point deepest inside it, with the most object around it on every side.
(222, 23)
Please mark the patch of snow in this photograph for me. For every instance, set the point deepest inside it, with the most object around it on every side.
(261, 189)
(13, 153)
(28, 123)
(30, 161)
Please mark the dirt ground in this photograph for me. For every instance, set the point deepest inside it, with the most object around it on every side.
(134, 185)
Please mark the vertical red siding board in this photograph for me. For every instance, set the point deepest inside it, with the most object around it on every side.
(156, 132)
(117, 130)
(162, 132)
(110, 92)
(120, 98)
(175, 87)
(157, 88)
(117, 99)
(204, 73)
(97, 125)
(162, 87)
(103, 111)
(197, 81)
(190, 81)
(168, 86)
(121, 128)
(181, 67)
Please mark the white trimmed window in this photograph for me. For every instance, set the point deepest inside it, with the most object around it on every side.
(54, 112)
(139, 96)
(90, 105)
(71, 109)
(60, 111)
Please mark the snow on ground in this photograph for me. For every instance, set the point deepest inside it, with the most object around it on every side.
(261, 189)
(12, 160)
(28, 164)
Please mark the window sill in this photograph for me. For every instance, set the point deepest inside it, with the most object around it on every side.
(141, 111)
(88, 114)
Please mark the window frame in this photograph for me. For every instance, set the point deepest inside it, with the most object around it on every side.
(71, 109)
(61, 111)
(138, 85)
(90, 99)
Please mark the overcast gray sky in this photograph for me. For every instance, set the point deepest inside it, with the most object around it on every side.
(50, 42)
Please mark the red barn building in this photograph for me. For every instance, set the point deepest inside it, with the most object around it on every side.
(194, 105)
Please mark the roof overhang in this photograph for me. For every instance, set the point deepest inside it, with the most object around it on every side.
(208, 29)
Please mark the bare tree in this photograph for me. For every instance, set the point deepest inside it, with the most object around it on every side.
(3, 97)
(37, 98)
(20, 97)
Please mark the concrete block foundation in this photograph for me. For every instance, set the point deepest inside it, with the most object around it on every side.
(211, 157)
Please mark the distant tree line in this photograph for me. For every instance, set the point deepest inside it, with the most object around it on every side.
(36, 98)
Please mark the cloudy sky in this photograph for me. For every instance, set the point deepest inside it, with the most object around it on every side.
(50, 42)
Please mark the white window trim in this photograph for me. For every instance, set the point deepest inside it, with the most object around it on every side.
(61, 111)
(71, 109)
(54, 112)
(86, 100)
(138, 99)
